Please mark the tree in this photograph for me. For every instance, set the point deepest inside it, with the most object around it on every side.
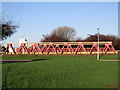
(61, 34)
(8, 29)
(115, 40)
(78, 39)
(53, 38)
(65, 32)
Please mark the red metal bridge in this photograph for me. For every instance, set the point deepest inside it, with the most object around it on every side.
(62, 48)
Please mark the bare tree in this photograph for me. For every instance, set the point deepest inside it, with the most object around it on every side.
(65, 32)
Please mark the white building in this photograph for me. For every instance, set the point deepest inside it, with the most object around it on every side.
(22, 40)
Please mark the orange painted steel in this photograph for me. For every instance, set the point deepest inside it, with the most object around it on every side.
(66, 48)
(58, 49)
(50, 48)
(109, 47)
(44, 49)
(62, 48)
(79, 47)
(23, 48)
(61, 43)
(36, 48)
(9, 45)
(94, 46)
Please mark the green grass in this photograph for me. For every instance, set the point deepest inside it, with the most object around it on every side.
(109, 57)
(63, 71)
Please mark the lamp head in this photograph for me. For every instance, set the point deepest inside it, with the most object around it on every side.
(98, 28)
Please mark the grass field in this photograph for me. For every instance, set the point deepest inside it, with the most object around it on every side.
(60, 71)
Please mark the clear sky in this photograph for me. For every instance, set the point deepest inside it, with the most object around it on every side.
(39, 18)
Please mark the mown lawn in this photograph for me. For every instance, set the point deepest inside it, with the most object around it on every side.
(59, 71)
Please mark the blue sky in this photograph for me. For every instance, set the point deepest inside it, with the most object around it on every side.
(39, 18)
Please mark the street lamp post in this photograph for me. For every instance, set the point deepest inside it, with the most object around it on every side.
(98, 45)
